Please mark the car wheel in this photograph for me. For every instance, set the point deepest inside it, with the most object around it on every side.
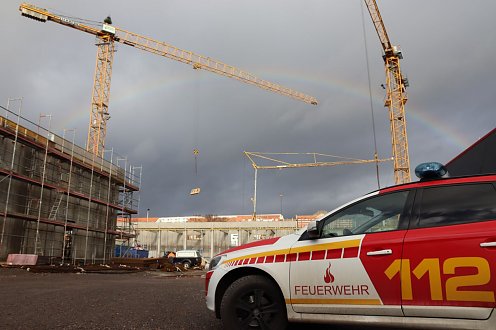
(187, 264)
(253, 302)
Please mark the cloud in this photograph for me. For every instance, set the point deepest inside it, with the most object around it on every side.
(161, 110)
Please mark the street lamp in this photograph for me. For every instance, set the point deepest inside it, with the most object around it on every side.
(281, 195)
(147, 214)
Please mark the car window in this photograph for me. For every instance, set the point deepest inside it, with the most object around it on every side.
(375, 214)
(449, 205)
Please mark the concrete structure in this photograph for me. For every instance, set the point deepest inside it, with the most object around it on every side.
(209, 238)
(58, 200)
(214, 233)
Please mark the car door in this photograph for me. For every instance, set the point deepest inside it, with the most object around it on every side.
(449, 253)
(342, 271)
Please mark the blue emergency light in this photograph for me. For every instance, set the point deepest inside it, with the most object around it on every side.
(431, 170)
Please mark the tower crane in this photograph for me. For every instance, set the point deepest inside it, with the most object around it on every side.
(396, 97)
(107, 35)
(273, 163)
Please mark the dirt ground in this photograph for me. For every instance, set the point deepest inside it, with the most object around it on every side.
(132, 300)
(141, 300)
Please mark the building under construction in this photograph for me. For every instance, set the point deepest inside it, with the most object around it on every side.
(57, 199)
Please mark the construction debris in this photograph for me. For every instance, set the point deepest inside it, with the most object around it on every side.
(116, 265)
(68, 268)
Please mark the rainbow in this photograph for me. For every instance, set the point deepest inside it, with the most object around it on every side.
(186, 82)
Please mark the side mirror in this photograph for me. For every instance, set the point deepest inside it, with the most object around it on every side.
(313, 230)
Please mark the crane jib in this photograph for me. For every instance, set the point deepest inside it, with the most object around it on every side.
(100, 98)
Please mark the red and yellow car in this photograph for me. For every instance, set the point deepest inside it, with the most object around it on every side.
(421, 255)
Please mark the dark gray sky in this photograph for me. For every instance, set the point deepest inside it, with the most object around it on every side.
(161, 110)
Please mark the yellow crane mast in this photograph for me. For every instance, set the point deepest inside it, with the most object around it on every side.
(107, 35)
(395, 97)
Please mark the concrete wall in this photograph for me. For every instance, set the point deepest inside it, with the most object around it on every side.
(208, 237)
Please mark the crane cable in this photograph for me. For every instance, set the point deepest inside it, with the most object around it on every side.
(370, 96)
(196, 151)
(196, 124)
(75, 18)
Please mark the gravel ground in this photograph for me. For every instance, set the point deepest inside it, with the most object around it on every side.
(145, 300)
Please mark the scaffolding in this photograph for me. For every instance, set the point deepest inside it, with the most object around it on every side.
(57, 199)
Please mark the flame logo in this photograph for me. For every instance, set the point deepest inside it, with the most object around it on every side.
(328, 277)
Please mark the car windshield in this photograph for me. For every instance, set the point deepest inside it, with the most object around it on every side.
(380, 213)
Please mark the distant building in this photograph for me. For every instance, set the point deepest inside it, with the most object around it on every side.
(304, 220)
(209, 234)
(208, 218)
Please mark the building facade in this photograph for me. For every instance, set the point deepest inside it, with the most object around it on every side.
(58, 200)
(207, 234)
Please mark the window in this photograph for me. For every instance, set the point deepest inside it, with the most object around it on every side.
(376, 214)
(450, 205)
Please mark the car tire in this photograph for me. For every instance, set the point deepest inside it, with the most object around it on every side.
(253, 302)
(187, 264)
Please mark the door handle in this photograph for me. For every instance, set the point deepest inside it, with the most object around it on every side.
(380, 252)
(488, 244)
